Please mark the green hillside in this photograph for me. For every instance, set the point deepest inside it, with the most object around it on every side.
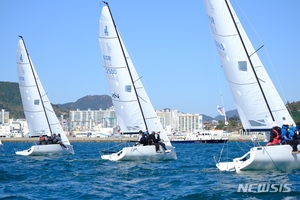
(10, 100)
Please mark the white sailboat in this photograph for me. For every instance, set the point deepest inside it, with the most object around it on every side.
(38, 110)
(257, 100)
(132, 104)
(1, 146)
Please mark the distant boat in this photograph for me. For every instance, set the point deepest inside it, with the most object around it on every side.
(39, 113)
(99, 134)
(132, 104)
(202, 136)
(258, 102)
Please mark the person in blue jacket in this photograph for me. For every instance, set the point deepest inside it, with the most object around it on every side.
(284, 133)
(289, 136)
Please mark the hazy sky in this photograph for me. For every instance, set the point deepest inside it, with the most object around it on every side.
(169, 42)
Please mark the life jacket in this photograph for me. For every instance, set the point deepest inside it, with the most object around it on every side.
(276, 134)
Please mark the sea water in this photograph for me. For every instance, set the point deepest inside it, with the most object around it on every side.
(85, 175)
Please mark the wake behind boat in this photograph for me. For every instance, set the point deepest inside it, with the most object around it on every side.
(38, 110)
(132, 104)
(258, 102)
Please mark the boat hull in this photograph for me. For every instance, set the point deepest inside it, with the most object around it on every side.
(44, 150)
(141, 153)
(265, 158)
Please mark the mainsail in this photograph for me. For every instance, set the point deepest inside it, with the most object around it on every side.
(257, 101)
(132, 104)
(38, 110)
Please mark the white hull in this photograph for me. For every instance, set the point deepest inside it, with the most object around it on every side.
(264, 158)
(141, 153)
(49, 149)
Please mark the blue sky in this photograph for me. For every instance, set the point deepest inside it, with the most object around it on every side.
(169, 41)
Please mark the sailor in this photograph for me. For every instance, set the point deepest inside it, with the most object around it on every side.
(293, 135)
(289, 136)
(58, 139)
(157, 142)
(53, 137)
(42, 140)
(142, 138)
(284, 132)
(275, 135)
(298, 131)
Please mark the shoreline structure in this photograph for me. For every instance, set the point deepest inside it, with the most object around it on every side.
(127, 139)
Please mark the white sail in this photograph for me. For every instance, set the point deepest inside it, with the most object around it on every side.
(236, 54)
(38, 110)
(132, 104)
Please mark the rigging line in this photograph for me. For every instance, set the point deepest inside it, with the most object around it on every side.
(220, 88)
(257, 50)
(276, 77)
(222, 152)
(270, 157)
(240, 146)
(249, 22)
(250, 61)
(227, 152)
(266, 50)
(219, 81)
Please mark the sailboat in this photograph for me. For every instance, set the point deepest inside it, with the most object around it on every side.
(38, 110)
(131, 102)
(257, 100)
(1, 146)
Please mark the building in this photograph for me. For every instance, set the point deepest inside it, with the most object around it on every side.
(85, 120)
(169, 120)
(174, 121)
(190, 122)
(4, 119)
(4, 124)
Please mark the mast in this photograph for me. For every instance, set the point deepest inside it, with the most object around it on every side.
(36, 84)
(127, 67)
(248, 56)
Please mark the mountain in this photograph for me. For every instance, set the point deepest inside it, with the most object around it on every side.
(93, 102)
(229, 114)
(10, 100)
(206, 118)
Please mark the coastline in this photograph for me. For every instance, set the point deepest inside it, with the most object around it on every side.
(125, 139)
